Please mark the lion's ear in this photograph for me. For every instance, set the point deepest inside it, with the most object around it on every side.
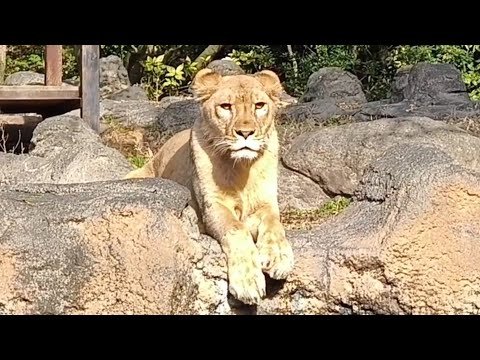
(205, 83)
(270, 82)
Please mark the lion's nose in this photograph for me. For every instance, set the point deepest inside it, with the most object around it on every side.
(245, 133)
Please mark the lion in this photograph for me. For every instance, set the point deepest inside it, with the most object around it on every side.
(229, 161)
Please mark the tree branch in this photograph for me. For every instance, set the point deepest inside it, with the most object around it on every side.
(211, 50)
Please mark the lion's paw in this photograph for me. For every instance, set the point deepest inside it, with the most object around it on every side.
(276, 256)
(246, 279)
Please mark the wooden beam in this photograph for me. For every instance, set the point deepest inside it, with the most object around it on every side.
(3, 62)
(53, 65)
(90, 85)
(39, 92)
(20, 119)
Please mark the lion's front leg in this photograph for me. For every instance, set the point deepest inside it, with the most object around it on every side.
(245, 276)
(276, 254)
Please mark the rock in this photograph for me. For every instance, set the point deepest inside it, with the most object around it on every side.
(98, 248)
(336, 157)
(113, 76)
(436, 91)
(435, 84)
(399, 84)
(21, 78)
(336, 85)
(179, 115)
(225, 67)
(25, 78)
(296, 191)
(378, 110)
(141, 113)
(65, 150)
(287, 99)
(314, 113)
(132, 112)
(406, 245)
(130, 93)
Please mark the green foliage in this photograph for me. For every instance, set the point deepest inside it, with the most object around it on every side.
(314, 57)
(466, 58)
(168, 69)
(253, 58)
(138, 161)
(335, 206)
(24, 58)
(32, 58)
(161, 79)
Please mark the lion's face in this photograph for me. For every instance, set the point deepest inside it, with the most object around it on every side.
(240, 109)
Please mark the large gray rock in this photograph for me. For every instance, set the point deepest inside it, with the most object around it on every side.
(170, 113)
(65, 150)
(132, 112)
(225, 67)
(381, 109)
(336, 157)
(407, 245)
(296, 191)
(130, 93)
(312, 113)
(436, 91)
(113, 76)
(434, 84)
(25, 78)
(179, 115)
(335, 85)
(330, 93)
(98, 248)
(21, 78)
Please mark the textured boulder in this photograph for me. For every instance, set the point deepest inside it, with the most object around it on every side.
(225, 67)
(296, 191)
(408, 244)
(64, 150)
(313, 113)
(113, 75)
(436, 91)
(330, 93)
(170, 113)
(130, 93)
(435, 84)
(99, 248)
(25, 78)
(336, 157)
(20, 78)
(334, 85)
(133, 112)
(179, 115)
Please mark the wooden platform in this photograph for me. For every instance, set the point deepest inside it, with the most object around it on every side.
(45, 100)
(54, 98)
(38, 93)
(20, 119)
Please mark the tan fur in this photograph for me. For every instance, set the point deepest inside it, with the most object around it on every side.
(234, 188)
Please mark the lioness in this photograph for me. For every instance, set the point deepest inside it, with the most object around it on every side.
(229, 161)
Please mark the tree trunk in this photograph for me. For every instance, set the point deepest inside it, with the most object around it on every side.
(211, 51)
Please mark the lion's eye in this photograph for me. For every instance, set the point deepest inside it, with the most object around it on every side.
(226, 106)
(259, 105)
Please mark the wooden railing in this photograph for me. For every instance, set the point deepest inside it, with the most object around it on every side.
(38, 98)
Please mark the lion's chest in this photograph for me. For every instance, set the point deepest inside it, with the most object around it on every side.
(249, 196)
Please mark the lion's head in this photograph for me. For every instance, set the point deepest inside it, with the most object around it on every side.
(239, 111)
